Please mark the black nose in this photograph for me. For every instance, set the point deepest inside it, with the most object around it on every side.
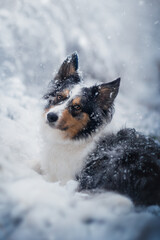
(52, 117)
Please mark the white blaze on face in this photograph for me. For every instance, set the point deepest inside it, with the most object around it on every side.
(58, 109)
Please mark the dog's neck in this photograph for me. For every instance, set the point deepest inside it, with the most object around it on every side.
(63, 159)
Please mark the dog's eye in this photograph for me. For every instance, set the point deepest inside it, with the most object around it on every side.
(77, 107)
(59, 97)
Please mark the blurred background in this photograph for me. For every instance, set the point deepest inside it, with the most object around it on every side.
(113, 39)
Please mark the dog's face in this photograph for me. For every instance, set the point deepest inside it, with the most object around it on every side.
(76, 110)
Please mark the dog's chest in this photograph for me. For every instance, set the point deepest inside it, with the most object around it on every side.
(63, 161)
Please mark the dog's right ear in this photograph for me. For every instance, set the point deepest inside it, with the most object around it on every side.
(68, 68)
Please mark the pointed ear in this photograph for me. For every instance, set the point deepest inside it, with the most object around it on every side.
(107, 92)
(69, 67)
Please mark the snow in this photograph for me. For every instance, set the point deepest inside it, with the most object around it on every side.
(113, 38)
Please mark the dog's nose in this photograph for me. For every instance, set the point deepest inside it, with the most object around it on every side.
(52, 117)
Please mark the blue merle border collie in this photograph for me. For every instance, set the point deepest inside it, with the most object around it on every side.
(77, 146)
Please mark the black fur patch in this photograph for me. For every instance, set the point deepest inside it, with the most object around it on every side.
(128, 163)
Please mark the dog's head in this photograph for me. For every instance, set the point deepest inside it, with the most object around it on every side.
(77, 110)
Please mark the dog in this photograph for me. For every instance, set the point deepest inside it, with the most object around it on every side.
(75, 116)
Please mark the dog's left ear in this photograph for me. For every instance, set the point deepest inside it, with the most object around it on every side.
(68, 68)
(106, 93)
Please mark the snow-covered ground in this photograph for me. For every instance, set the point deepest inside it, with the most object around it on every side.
(113, 38)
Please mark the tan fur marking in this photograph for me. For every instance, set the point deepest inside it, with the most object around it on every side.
(65, 93)
(76, 101)
(73, 125)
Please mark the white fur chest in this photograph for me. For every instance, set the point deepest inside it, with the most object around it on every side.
(62, 159)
